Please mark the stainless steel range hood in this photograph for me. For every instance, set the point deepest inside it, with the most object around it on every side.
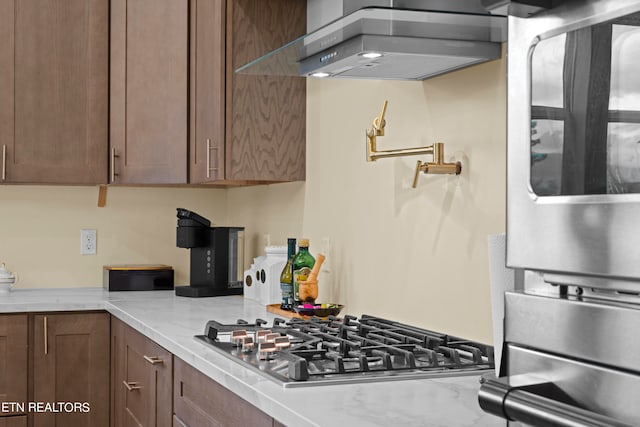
(381, 42)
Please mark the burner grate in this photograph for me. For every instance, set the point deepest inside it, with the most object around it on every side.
(336, 350)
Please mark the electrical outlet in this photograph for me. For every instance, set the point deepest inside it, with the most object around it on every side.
(88, 241)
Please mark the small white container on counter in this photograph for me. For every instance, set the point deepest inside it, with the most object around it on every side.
(262, 280)
(7, 279)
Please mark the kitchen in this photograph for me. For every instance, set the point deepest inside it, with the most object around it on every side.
(432, 240)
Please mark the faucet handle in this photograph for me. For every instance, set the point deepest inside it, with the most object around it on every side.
(378, 122)
(416, 174)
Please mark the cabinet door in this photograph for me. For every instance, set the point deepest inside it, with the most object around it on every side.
(53, 91)
(149, 91)
(71, 364)
(142, 380)
(266, 115)
(13, 421)
(13, 354)
(207, 90)
(200, 401)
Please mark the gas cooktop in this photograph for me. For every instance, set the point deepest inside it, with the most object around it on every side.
(336, 350)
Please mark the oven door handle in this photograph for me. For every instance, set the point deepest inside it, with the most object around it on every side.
(499, 398)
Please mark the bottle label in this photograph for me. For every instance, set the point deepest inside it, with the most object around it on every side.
(287, 295)
(299, 276)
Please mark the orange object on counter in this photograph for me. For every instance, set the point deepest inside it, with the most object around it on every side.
(308, 289)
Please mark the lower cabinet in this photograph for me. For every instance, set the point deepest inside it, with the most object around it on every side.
(94, 360)
(198, 401)
(71, 364)
(20, 421)
(141, 379)
(13, 369)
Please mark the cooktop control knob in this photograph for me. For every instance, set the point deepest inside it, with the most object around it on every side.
(247, 344)
(266, 350)
(282, 343)
(271, 337)
(262, 334)
(238, 336)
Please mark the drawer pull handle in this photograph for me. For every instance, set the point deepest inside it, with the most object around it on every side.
(4, 162)
(153, 359)
(46, 333)
(132, 385)
(113, 165)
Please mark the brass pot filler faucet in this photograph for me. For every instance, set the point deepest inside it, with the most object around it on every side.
(438, 166)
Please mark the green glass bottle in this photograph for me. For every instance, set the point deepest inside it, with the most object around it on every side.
(286, 277)
(302, 265)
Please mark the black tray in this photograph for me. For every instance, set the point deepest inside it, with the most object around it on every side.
(331, 310)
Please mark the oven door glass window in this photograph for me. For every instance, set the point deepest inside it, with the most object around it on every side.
(585, 111)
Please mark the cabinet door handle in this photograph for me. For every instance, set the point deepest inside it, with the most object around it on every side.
(208, 158)
(113, 165)
(153, 359)
(46, 333)
(209, 148)
(4, 162)
(132, 385)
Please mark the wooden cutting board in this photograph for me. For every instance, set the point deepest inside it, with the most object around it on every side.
(275, 309)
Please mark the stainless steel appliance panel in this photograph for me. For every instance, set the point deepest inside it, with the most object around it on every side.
(594, 234)
(602, 391)
(604, 333)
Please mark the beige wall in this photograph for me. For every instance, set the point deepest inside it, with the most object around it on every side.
(414, 255)
(40, 230)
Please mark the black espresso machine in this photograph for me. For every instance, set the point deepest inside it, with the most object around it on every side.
(217, 256)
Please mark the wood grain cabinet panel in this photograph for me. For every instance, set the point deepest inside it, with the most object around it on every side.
(53, 91)
(141, 379)
(71, 364)
(199, 401)
(13, 357)
(20, 421)
(149, 50)
(207, 90)
(266, 124)
(245, 128)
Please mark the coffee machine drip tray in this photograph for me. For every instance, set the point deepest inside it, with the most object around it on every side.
(216, 259)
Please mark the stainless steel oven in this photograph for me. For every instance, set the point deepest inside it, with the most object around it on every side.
(571, 354)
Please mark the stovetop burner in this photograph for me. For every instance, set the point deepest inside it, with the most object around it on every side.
(301, 352)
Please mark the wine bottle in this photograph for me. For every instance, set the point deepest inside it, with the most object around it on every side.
(302, 264)
(286, 277)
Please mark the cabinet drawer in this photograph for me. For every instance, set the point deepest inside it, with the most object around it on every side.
(200, 401)
(141, 379)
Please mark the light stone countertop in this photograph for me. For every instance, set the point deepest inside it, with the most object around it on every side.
(173, 321)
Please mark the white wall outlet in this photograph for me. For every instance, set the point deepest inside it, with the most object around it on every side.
(88, 241)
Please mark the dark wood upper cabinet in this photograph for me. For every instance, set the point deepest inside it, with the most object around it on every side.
(207, 90)
(141, 379)
(144, 92)
(71, 364)
(53, 91)
(149, 51)
(13, 354)
(244, 128)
